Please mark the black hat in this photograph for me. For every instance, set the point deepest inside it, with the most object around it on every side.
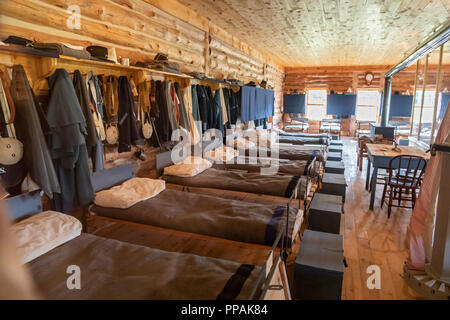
(99, 52)
(161, 57)
(17, 40)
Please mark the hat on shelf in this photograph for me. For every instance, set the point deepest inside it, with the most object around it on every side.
(99, 53)
(17, 40)
(198, 75)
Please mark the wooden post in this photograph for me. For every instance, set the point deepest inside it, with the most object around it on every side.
(424, 86)
(416, 82)
(436, 97)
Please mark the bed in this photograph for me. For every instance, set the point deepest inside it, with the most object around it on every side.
(112, 269)
(302, 140)
(285, 166)
(285, 152)
(302, 134)
(199, 214)
(231, 184)
(249, 182)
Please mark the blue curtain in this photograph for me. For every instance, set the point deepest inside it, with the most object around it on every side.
(294, 103)
(260, 103)
(270, 103)
(341, 105)
(256, 103)
(445, 99)
(401, 105)
(248, 104)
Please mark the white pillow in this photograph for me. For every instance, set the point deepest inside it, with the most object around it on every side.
(129, 193)
(223, 154)
(43, 232)
(190, 167)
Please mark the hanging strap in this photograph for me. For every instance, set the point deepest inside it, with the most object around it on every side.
(4, 78)
(154, 109)
(144, 100)
(6, 111)
(112, 96)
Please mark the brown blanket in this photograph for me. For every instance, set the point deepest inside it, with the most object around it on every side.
(284, 153)
(112, 269)
(207, 215)
(302, 140)
(305, 135)
(254, 164)
(273, 185)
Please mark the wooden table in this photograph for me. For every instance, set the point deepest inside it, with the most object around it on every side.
(379, 156)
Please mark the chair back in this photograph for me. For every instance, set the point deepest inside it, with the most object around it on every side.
(407, 170)
(364, 125)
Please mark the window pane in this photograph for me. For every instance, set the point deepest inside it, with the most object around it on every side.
(317, 96)
(429, 98)
(368, 98)
(366, 113)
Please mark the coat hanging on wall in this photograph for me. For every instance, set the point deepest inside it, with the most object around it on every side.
(127, 118)
(30, 132)
(96, 100)
(196, 107)
(68, 144)
(184, 119)
(83, 98)
(160, 112)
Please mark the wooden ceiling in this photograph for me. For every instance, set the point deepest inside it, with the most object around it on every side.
(328, 32)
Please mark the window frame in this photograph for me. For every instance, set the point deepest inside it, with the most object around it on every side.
(433, 108)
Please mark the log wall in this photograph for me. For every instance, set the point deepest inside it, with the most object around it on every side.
(139, 29)
(340, 79)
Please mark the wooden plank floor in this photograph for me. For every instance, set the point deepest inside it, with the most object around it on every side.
(370, 238)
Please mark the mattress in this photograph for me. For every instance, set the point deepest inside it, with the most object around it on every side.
(306, 135)
(112, 269)
(206, 215)
(331, 128)
(283, 153)
(274, 185)
(254, 164)
(302, 140)
(296, 127)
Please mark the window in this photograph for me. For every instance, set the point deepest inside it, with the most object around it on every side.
(316, 107)
(428, 106)
(368, 102)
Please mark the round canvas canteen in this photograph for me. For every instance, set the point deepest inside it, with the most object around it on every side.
(11, 151)
(112, 135)
(147, 130)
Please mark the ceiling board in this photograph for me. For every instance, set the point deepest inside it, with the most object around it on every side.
(328, 32)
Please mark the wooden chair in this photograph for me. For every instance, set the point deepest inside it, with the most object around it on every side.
(405, 177)
(362, 150)
(363, 128)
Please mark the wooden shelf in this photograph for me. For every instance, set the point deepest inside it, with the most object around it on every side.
(113, 66)
(39, 67)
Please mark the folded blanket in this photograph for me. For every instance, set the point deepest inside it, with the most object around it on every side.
(62, 50)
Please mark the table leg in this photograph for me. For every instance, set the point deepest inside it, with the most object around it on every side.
(368, 174)
(374, 187)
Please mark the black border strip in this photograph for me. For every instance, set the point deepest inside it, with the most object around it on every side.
(234, 285)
